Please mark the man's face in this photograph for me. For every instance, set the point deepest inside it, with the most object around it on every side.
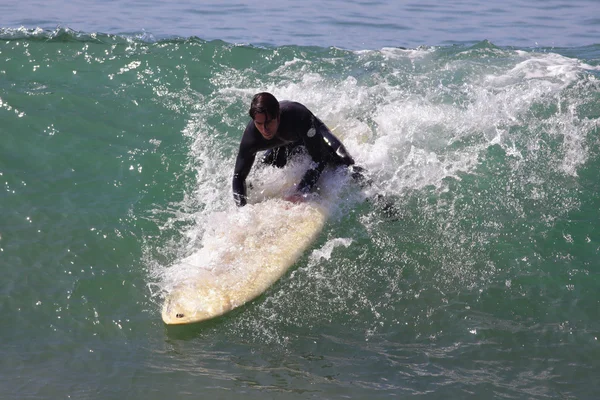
(266, 125)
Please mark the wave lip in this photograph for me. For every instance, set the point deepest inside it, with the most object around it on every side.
(66, 34)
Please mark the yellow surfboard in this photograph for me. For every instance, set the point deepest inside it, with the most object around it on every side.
(244, 251)
(281, 233)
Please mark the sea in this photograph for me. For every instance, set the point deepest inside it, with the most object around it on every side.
(467, 269)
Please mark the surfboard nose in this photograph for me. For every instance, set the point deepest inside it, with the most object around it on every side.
(194, 303)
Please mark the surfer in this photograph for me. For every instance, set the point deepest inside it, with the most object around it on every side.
(284, 129)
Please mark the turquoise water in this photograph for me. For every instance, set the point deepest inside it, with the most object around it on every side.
(117, 148)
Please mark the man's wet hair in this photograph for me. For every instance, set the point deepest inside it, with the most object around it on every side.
(264, 103)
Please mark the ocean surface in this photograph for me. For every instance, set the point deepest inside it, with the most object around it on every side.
(469, 269)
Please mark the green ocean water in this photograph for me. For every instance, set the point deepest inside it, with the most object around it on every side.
(481, 281)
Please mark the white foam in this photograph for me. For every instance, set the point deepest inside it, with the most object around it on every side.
(327, 249)
(411, 122)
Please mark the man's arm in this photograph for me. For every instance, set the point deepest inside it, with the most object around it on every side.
(311, 177)
(323, 147)
(243, 164)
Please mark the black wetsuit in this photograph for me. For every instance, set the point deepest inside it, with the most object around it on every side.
(297, 127)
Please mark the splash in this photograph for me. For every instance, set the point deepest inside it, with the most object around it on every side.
(469, 143)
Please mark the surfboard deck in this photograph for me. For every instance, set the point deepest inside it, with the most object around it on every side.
(243, 253)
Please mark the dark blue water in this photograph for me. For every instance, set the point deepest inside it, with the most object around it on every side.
(349, 24)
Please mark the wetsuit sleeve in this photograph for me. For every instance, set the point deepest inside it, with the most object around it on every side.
(324, 148)
(311, 177)
(243, 165)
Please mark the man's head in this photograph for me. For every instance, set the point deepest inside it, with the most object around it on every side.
(264, 111)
